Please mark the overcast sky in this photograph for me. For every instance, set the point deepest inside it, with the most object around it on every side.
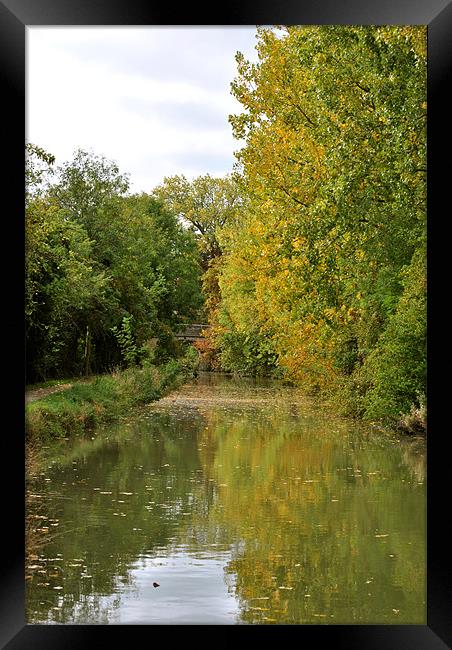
(154, 99)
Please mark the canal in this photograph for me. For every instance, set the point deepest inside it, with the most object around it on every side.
(231, 501)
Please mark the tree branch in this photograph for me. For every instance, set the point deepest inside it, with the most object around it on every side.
(281, 187)
(366, 90)
(297, 162)
(304, 114)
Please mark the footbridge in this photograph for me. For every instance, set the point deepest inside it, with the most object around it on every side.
(192, 333)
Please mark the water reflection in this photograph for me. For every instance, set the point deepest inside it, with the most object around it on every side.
(262, 510)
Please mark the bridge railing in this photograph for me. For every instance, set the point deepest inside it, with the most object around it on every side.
(191, 331)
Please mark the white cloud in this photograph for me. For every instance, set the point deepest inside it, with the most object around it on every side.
(156, 100)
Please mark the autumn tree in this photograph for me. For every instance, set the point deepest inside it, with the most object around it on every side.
(334, 165)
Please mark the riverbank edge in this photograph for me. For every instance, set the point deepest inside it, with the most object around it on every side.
(411, 424)
(85, 405)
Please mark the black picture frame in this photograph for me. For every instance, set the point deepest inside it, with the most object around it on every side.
(15, 16)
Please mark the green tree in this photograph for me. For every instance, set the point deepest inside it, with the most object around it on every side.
(206, 204)
(96, 256)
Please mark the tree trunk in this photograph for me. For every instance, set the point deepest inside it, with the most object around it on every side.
(87, 351)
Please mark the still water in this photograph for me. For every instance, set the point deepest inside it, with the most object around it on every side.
(245, 503)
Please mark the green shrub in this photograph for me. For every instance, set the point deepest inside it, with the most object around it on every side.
(394, 374)
(126, 340)
(247, 354)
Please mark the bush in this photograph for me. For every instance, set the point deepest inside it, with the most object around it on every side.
(415, 422)
(395, 372)
(126, 340)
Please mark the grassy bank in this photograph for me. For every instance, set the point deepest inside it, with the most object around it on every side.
(86, 405)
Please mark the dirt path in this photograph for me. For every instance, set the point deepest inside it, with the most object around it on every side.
(39, 393)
